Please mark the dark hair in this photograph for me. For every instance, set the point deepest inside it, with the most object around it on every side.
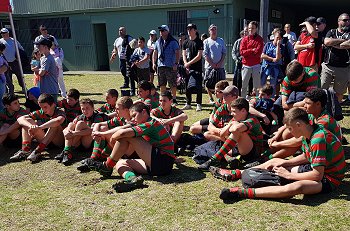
(311, 20)
(141, 38)
(7, 98)
(267, 89)
(167, 94)
(125, 101)
(86, 101)
(46, 98)
(153, 87)
(145, 85)
(42, 26)
(240, 103)
(34, 53)
(295, 114)
(222, 84)
(2, 47)
(317, 95)
(74, 93)
(139, 107)
(204, 36)
(294, 70)
(113, 93)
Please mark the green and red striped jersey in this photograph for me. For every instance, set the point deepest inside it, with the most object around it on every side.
(218, 103)
(156, 134)
(7, 118)
(71, 112)
(221, 116)
(155, 97)
(159, 113)
(150, 102)
(116, 122)
(324, 149)
(107, 108)
(254, 131)
(310, 81)
(43, 118)
(328, 122)
(95, 118)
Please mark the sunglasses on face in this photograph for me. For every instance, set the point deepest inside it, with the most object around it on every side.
(345, 20)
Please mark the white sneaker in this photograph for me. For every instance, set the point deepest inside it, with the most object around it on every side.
(34, 156)
(20, 155)
(199, 107)
(186, 107)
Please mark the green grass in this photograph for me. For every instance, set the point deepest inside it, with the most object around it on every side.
(50, 196)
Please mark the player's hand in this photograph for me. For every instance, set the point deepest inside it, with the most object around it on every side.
(266, 120)
(281, 171)
(69, 135)
(271, 140)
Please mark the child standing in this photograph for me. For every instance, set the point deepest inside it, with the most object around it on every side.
(35, 63)
(142, 56)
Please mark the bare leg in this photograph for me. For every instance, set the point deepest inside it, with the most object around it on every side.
(173, 91)
(162, 89)
(177, 131)
(131, 165)
(244, 142)
(212, 136)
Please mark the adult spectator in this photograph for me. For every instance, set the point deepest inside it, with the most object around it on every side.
(150, 44)
(237, 58)
(122, 48)
(322, 32)
(251, 49)
(306, 44)
(214, 54)
(337, 59)
(10, 56)
(192, 51)
(44, 34)
(292, 38)
(167, 52)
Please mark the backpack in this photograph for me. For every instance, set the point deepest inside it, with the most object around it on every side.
(203, 152)
(257, 178)
(333, 106)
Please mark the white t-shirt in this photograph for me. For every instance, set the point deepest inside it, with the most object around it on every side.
(118, 44)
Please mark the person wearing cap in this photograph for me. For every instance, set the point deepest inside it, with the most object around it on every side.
(150, 44)
(10, 56)
(307, 46)
(192, 51)
(166, 57)
(214, 54)
(122, 49)
(336, 65)
(251, 49)
(44, 34)
(48, 71)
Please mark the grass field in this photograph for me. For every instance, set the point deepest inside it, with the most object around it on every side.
(50, 196)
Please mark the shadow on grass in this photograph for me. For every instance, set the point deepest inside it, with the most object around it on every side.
(90, 93)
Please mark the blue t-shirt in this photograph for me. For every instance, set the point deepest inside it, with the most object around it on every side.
(270, 50)
(49, 82)
(168, 59)
(2, 75)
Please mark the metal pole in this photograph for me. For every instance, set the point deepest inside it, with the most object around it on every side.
(264, 17)
(18, 55)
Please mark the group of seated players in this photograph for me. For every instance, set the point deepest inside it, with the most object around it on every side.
(137, 138)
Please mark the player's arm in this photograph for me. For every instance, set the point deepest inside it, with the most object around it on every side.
(55, 122)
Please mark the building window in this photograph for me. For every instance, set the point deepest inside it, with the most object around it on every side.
(58, 27)
(177, 21)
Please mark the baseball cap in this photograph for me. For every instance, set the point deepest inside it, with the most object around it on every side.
(153, 32)
(231, 90)
(163, 27)
(181, 34)
(310, 19)
(44, 41)
(192, 25)
(321, 20)
(4, 30)
(212, 26)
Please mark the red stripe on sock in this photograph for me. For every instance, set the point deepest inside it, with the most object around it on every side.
(110, 163)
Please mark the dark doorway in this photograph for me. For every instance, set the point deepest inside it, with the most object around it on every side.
(101, 46)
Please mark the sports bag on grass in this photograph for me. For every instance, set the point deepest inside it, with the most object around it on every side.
(257, 178)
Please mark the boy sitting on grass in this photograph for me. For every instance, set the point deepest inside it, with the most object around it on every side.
(45, 125)
(102, 132)
(245, 133)
(79, 131)
(152, 143)
(111, 100)
(144, 89)
(202, 125)
(319, 169)
(71, 104)
(10, 131)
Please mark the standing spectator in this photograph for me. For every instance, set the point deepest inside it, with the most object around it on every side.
(150, 44)
(192, 51)
(336, 65)
(292, 38)
(322, 32)
(251, 50)
(237, 58)
(214, 54)
(122, 48)
(167, 53)
(57, 53)
(44, 34)
(48, 71)
(3, 69)
(141, 55)
(306, 44)
(10, 56)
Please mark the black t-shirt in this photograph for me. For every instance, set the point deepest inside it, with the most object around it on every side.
(192, 47)
(31, 105)
(337, 57)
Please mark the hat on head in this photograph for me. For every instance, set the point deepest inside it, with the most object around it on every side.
(231, 90)
(163, 27)
(4, 30)
(153, 32)
(182, 34)
(310, 19)
(44, 41)
(212, 26)
(192, 25)
(35, 91)
(321, 20)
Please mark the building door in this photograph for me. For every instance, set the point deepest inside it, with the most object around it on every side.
(101, 47)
